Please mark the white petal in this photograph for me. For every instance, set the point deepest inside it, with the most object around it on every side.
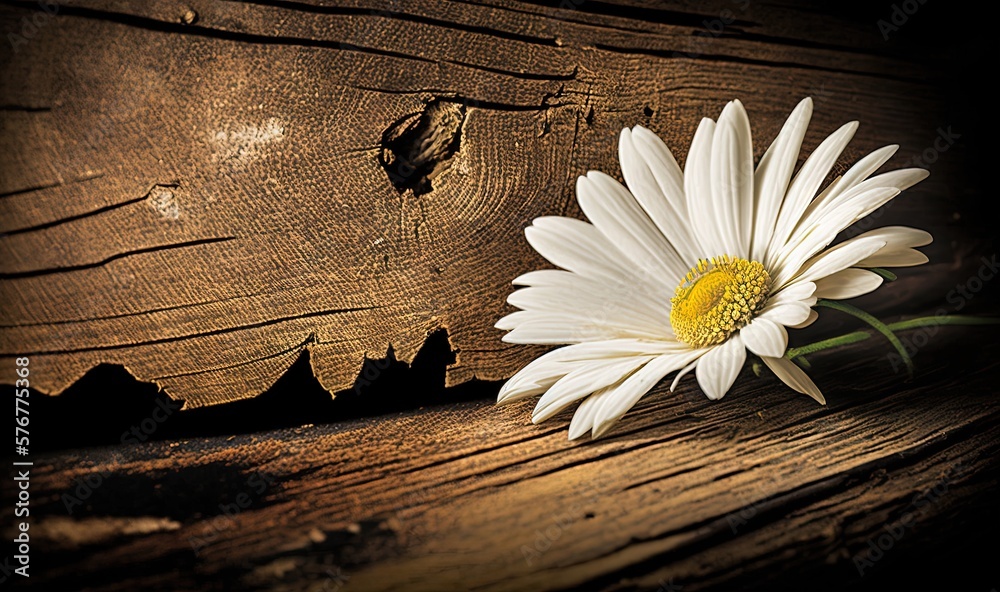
(773, 174)
(583, 418)
(576, 246)
(805, 184)
(842, 256)
(862, 198)
(663, 165)
(865, 167)
(849, 180)
(545, 370)
(510, 321)
(656, 182)
(598, 350)
(901, 236)
(682, 373)
(614, 211)
(624, 309)
(764, 337)
(811, 239)
(788, 314)
(543, 277)
(813, 315)
(793, 292)
(524, 389)
(901, 179)
(897, 251)
(582, 382)
(717, 370)
(533, 379)
(849, 283)
(627, 293)
(732, 180)
(795, 378)
(623, 397)
(698, 190)
(552, 329)
(900, 258)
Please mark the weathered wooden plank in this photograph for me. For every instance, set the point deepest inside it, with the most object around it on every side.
(757, 489)
(211, 194)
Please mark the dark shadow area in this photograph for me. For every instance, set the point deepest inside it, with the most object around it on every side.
(193, 493)
(212, 497)
(110, 406)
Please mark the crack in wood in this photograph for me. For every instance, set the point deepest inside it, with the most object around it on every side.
(208, 333)
(26, 108)
(294, 349)
(137, 313)
(391, 14)
(71, 268)
(51, 185)
(95, 212)
(710, 57)
(195, 30)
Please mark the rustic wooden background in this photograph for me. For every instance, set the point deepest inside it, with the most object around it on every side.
(201, 201)
(213, 198)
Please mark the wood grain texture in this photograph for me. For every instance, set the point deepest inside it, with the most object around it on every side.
(758, 490)
(199, 190)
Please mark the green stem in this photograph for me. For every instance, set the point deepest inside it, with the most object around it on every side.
(943, 320)
(795, 352)
(876, 324)
(906, 325)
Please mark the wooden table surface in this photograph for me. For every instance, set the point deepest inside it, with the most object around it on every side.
(762, 489)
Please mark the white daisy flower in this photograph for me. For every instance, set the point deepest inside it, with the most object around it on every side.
(688, 270)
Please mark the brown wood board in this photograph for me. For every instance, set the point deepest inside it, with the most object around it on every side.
(198, 191)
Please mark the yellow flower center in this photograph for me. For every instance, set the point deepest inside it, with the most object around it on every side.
(717, 297)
